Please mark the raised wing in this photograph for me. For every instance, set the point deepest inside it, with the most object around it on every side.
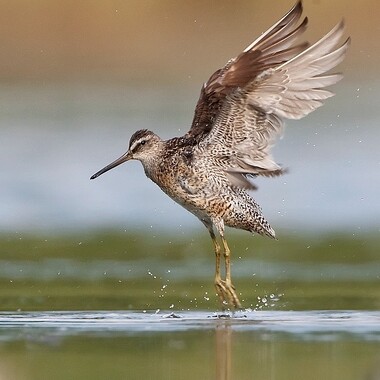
(295, 88)
(251, 116)
(274, 47)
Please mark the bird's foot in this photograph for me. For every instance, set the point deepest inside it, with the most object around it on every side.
(227, 294)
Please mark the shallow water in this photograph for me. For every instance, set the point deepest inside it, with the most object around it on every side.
(189, 345)
(364, 324)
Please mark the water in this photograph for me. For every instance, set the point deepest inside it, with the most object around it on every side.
(145, 307)
(362, 325)
(187, 345)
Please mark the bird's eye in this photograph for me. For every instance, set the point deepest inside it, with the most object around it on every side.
(142, 142)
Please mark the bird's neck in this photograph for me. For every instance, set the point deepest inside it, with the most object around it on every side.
(152, 161)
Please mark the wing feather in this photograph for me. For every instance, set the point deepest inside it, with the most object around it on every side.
(272, 48)
(276, 89)
(250, 118)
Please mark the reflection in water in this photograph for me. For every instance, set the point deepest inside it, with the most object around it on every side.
(190, 345)
(223, 336)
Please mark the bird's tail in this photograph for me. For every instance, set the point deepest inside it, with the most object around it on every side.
(261, 226)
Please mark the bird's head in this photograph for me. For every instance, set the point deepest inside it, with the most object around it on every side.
(143, 146)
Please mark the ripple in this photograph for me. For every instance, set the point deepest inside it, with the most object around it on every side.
(363, 325)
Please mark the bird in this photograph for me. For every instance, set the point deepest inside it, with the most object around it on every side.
(238, 117)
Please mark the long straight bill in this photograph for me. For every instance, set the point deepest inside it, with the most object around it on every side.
(120, 160)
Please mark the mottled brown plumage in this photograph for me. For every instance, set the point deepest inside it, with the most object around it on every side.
(237, 119)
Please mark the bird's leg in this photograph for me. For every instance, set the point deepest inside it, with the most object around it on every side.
(233, 298)
(219, 283)
(226, 287)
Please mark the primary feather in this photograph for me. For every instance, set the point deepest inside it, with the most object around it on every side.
(241, 107)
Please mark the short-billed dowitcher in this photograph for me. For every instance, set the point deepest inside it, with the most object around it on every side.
(239, 114)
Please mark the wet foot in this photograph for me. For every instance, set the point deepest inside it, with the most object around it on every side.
(227, 294)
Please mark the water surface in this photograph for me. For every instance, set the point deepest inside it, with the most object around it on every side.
(188, 345)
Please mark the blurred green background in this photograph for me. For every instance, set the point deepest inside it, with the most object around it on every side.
(133, 271)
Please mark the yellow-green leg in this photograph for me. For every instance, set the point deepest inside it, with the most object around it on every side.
(229, 287)
(218, 282)
(225, 289)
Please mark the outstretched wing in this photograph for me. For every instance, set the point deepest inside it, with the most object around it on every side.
(274, 47)
(250, 116)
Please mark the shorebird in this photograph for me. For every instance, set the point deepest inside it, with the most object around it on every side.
(238, 116)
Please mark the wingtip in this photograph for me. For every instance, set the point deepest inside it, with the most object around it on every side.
(348, 41)
(290, 17)
(296, 9)
(298, 5)
(338, 28)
